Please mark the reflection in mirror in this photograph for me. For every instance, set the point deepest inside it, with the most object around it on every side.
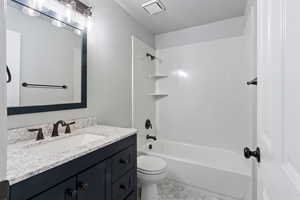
(44, 58)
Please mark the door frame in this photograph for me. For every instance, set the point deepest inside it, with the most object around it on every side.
(3, 112)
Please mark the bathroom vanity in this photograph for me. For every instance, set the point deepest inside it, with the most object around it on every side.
(92, 163)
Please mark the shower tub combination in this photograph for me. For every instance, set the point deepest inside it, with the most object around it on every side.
(214, 170)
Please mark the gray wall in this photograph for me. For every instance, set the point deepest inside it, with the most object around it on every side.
(109, 69)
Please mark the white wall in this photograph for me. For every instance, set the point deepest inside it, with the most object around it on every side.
(3, 131)
(109, 69)
(209, 102)
(143, 105)
(223, 29)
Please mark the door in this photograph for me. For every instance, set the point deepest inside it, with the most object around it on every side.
(91, 184)
(63, 191)
(3, 79)
(279, 99)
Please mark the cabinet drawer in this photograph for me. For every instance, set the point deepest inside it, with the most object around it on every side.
(123, 187)
(91, 184)
(63, 191)
(123, 162)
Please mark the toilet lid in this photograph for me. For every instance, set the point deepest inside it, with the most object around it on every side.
(151, 163)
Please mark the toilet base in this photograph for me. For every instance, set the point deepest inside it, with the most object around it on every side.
(149, 192)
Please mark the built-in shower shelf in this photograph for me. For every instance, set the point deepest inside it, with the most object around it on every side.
(158, 94)
(158, 76)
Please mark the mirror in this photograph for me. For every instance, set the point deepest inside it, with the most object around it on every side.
(46, 58)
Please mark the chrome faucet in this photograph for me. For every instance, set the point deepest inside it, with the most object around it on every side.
(55, 127)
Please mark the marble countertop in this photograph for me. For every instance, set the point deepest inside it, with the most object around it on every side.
(24, 162)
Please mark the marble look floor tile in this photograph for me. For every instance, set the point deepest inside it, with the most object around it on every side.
(169, 190)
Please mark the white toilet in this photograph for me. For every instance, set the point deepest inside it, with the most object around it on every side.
(151, 171)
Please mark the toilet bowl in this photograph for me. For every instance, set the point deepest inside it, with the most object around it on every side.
(151, 171)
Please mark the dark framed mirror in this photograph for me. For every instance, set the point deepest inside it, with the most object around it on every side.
(47, 60)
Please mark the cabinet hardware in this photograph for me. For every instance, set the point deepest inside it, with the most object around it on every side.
(123, 161)
(123, 187)
(83, 186)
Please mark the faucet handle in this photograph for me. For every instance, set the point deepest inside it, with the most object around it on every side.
(68, 129)
(40, 135)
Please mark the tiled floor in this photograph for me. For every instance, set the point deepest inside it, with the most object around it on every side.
(170, 190)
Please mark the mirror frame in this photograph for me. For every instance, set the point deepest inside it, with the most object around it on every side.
(58, 107)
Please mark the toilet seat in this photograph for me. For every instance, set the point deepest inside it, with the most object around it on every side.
(151, 165)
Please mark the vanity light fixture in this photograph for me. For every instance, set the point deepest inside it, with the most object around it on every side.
(72, 12)
(30, 12)
(78, 6)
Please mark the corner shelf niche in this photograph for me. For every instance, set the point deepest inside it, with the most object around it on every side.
(155, 77)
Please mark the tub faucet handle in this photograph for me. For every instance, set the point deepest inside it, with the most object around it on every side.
(148, 137)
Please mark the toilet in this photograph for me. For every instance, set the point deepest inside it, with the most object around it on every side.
(151, 171)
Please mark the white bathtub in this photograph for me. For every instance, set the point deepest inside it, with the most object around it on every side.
(215, 170)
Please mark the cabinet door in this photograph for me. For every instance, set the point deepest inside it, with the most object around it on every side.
(63, 191)
(91, 184)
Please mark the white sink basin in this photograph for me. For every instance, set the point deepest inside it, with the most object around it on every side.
(60, 145)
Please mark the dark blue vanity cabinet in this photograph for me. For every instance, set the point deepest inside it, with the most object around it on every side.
(109, 173)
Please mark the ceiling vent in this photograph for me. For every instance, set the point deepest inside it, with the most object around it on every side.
(154, 7)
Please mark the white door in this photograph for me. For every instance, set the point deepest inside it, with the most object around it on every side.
(279, 99)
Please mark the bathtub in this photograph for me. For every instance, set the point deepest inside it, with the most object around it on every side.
(219, 171)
